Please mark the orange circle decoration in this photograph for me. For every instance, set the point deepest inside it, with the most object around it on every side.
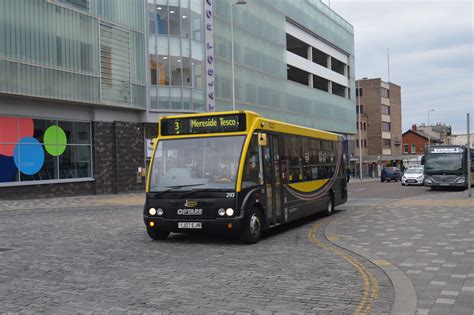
(12, 130)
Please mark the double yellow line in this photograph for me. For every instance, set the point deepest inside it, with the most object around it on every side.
(371, 288)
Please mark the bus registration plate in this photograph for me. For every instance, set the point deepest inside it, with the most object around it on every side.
(189, 225)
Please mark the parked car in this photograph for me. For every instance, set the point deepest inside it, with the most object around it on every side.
(390, 173)
(413, 176)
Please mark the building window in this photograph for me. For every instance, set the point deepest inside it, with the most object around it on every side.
(320, 58)
(320, 83)
(365, 143)
(365, 126)
(405, 148)
(44, 150)
(162, 19)
(185, 25)
(174, 18)
(196, 20)
(360, 108)
(357, 125)
(297, 75)
(385, 110)
(385, 126)
(387, 143)
(413, 148)
(337, 66)
(296, 46)
(359, 92)
(384, 92)
(338, 89)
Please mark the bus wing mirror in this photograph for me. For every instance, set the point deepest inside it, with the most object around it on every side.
(262, 139)
(423, 160)
(153, 141)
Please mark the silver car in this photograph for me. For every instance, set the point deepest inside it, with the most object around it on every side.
(413, 176)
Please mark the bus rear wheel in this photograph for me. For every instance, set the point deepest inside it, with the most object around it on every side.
(253, 227)
(156, 234)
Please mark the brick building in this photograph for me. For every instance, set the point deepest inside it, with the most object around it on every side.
(414, 142)
(379, 104)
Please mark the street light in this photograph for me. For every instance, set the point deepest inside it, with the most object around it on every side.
(429, 133)
(232, 47)
(360, 130)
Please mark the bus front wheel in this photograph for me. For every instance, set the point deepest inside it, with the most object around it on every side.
(253, 227)
(156, 234)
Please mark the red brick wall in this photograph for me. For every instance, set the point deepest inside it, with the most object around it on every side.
(411, 138)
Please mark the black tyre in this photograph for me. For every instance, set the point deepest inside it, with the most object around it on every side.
(382, 180)
(253, 227)
(329, 206)
(156, 234)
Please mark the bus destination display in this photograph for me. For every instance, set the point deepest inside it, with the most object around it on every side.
(206, 124)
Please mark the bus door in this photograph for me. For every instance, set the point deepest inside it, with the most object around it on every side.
(272, 174)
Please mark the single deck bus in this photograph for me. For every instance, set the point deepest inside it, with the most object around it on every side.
(241, 173)
(446, 166)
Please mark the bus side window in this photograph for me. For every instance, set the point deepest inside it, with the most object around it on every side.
(292, 151)
(251, 169)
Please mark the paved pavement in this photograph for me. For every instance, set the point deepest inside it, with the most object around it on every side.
(91, 254)
(429, 236)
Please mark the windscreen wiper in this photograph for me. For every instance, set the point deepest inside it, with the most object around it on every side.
(170, 188)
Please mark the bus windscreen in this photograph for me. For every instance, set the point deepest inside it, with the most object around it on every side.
(202, 125)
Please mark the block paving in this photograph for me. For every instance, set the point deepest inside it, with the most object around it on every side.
(430, 240)
(91, 254)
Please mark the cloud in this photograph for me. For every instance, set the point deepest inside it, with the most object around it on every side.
(431, 54)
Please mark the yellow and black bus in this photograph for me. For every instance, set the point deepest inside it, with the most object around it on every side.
(240, 173)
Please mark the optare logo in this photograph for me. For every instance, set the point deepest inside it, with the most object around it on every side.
(191, 203)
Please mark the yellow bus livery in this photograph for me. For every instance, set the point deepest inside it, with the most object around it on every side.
(240, 173)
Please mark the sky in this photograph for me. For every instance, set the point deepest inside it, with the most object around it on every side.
(431, 54)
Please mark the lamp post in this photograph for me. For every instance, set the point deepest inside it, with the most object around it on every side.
(429, 133)
(232, 47)
(360, 130)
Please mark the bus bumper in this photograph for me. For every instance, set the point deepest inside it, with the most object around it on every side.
(230, 225)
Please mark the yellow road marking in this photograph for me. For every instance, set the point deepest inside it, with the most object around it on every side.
(370, 283)
(382, 262)
(333, 238)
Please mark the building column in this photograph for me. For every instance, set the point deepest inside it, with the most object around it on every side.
(329, 86)
(329, 62)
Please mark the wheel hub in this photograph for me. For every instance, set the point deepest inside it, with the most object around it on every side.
(254, 225)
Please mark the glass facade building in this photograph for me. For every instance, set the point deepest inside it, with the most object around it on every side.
(87, 51)
(113, 67)
(260, 53)
(176, 55)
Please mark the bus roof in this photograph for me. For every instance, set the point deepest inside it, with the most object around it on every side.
(254, 122)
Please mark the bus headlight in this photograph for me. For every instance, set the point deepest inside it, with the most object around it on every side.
(152, 211)
(221, 212)
(461, 180)
(159, 212)
(229, 212)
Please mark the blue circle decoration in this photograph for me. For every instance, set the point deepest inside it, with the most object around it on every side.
(7, 168)
(31, 154)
